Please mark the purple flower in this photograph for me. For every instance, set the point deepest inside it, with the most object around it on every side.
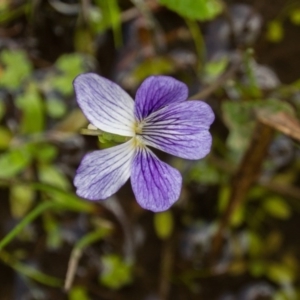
(161, 118)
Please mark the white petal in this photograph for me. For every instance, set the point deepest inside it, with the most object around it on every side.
(105, 104)
(102, 173)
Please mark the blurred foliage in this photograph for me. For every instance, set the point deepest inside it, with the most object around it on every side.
(115, 273)
(16, 68)
(226, 57)
(68, 67)
(240, 118)
(78, 293)
(201, 10)
(164, 224)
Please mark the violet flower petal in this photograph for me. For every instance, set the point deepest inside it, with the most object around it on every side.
(155, 184)
(180, 129)
(156, 92)
(102, 173)
(105, 104)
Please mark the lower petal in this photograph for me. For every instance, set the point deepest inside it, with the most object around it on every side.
(155, 184)
(102, 173)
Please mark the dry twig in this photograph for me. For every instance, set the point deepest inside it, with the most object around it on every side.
(244, 178)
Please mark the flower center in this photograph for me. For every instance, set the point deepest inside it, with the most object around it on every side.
(138, 142)
(138, 127)
(138, 139)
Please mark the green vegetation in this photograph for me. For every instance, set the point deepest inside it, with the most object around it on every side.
(238, 215)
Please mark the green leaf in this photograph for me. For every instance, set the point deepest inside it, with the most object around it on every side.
(69, 66)
(5, 137)
(252, 87)
(14, 161)
(163, 224)
(56, 108)
(280, 273)
(255, 244)
(17, 68)
(116, 273)
(257, 268)
(151, 66)
(275, 31)
(201, 10)
(115, 20)
(285, 294)
(273, 106)
(240, 117)
(238, 216)
(32, 107)
(45, 152)
(21, 198)
(277, 208)
(204, 173)
(107, 15)
(78, 293)
(8, 14)
(2, 108)
(51, 175)
(295, 16)
(215, 68)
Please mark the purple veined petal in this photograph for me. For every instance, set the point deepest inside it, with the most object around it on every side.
(102, 173)
(156, 92)
(155, 184)
(180, 129)
(106, 105)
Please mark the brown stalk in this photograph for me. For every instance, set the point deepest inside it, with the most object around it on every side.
(167, 262)
(246, 175)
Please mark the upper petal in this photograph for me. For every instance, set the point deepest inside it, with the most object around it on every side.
(155, 184)
(101, 173)
(180, 129)
(156, 92)
(105, 104)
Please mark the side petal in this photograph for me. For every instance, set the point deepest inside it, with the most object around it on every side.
(180, 129)
(102, 173)
(156, 92)
(155, 184)
(105, 104)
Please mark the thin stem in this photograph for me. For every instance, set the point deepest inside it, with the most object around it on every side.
(77, 252)
(29, 271)
(198, 40)
(27, 220)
